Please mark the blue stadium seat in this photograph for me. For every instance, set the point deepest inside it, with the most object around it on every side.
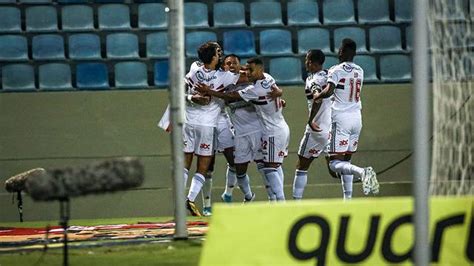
(275, 42)
(84, 46)
(77, 18)
(161, 73)
(229, 14)
(395, 68)
(7, 2)
(286, 70)
(330, 61)
(41, 18)
(371, 12)
(338, 12)
(157, 45)
(152, 16)
(122, 45)
(264, 14)
(10, 19)
(355, 33)
(35, 1)
(367, 63)
(403, 11)
(13, 47)
(303, 13)
(131, 75)
(108, 1)
(92, 76)
(195, 15)
(73, 1)
(47, 47)
(18, 77)
(55, 76)
(114, 17)
(409, 37)
(313, 38)
(385, 39)
(239, 42)
(195, 39)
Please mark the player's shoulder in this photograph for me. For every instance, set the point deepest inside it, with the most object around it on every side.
(267, 81)
(319, 77)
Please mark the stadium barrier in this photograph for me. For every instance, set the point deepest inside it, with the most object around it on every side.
(333, 232)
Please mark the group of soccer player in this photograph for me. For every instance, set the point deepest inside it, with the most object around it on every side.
(237, 109)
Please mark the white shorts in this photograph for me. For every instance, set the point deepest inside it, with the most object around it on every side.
(345, 132)
(313, 144)
(275, 147)
(248, 148)
(225, 133)
(198, 139)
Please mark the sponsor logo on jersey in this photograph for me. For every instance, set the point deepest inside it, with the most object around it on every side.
(201, 77)
(343, 142)
(265, 84)
(281, 154)
(204, 146)
(347, 68)
(314, 151)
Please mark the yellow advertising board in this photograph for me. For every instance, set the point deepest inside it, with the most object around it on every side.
(332, 232)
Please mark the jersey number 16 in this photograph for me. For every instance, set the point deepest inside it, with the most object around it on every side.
(354, 97)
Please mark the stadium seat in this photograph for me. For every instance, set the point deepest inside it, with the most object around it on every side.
(122, 45)
(195, 15)
(157, 45)
(229, 14)
(73, 1)
(13, 47)
(239, 42)
(18, 77)
(131, 75)
(114, 17)
(77, 18)
(409, 37)
(55, 76)
(338, 12)
(41, 18)
(371, 12)
(195, 39)
(385, 39)
(403, 11)
(161, 73)
(367, 63)
(275, 42)
(108, 1)
(92, 76)
(152, 16)
(84, 46)
(47, 47)
(264, 14)
(10, 19)
(312, 38)
(35, 1)
(286, 70)
(355, 33)
(395, 68)
(330, 61)
(303, 13)
(7, 2)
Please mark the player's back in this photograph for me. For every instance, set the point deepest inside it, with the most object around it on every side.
(316, 82)
(348, 78)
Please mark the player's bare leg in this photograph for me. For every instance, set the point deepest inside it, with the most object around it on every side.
(244, 181)
(274, 179)
(268, 188)
(197, 183)
(230, 178)
(301, 176)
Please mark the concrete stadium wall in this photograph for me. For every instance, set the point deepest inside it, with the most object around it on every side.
(55, 129)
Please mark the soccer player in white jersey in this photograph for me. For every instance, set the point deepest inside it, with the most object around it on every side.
(276, 133)
(201, 120)
(317, 134)
(344, 85)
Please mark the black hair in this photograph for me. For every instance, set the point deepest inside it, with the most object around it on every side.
(255, 60)
(206, 52)
(349, 47)
(317, 56)
(232, 55)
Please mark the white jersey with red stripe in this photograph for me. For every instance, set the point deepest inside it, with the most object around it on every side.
(206, 115)
(316, 82)
(243, 114)
(348, 79)
(269, 111)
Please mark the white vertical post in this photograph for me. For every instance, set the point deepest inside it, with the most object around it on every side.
(421, 134)
(176, 94)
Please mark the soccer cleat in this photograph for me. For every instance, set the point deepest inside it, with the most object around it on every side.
(369, 181)
(192, 208)
(226, 198)
(207, 211)
(251, 199)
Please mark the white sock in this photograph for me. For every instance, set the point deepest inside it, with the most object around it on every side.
(346, 182)
(196, 184)
(301, 178)
(244, 185)
(282, 175)
(185, 177)
(345, 168)
(268, 188)
(273, 178)
(206, 192)
(230, 180)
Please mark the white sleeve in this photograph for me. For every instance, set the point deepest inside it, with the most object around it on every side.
(248, 94)
(230, 78)
(333, 76)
